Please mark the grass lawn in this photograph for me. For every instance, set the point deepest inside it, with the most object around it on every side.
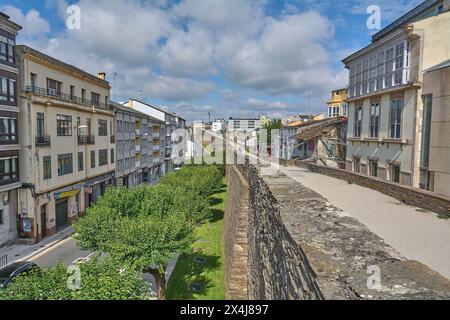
(203, 264)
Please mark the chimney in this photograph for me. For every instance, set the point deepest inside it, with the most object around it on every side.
(102, 75)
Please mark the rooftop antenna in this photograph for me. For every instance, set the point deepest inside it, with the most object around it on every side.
(115, 85)
(308, 94)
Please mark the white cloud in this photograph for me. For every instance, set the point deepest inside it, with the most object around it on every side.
(34, 26)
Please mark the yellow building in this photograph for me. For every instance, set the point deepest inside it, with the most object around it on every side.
(67, 137)
(337, 106)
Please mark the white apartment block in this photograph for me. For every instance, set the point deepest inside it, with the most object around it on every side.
(242, 125)
(170, 123)
(68, 150)
(385, 93)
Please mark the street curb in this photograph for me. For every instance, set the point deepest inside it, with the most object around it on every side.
(49, 246)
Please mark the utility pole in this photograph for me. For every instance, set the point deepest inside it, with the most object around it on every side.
(115, 85)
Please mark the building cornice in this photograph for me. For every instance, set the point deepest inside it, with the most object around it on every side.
(68, 70)
(415, 85)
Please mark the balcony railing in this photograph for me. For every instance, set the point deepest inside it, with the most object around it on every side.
(113, 139)
(156, 148)
(83, 140)
(43, 142)
(42, 92)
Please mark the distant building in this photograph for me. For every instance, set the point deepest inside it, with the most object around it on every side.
(435, 142)
(298, 119)
(161, 155)
(263, 121)
(338, 106)
(386, 91)
(67, 132)
(320, 141)
(242, 125)
(218, 125)
(134, 146)
(9, 135)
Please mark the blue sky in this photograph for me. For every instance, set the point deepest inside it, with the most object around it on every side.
(226, 57)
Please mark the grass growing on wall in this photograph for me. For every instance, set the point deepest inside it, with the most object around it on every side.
(208, 274)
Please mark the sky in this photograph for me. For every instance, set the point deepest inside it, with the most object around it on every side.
(223, 58)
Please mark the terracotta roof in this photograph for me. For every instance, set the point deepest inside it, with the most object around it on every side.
(318, 128)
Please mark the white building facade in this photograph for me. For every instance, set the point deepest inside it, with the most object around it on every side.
(385, 93)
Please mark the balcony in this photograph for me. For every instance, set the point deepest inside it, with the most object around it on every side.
(86, 140)
(138, 164)
(47, 93)
(156, 148)
(156, 159)
(156, 135)
(138, 131)
(43, 142)
(138, 148)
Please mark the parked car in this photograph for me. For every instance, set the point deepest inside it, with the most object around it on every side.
(8, 273)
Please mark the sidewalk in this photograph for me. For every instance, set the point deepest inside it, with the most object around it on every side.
(26, 252)
(416, 234)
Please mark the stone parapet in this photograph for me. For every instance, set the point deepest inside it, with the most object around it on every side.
(284, 241)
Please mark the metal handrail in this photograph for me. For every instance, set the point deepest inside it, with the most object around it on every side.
(42, 92)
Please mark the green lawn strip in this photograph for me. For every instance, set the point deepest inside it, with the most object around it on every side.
(210, 274)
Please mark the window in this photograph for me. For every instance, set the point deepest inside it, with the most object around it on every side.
(102, 128)
(374, 120)
(389, 67)
(2, 221)
(380, 71)
(365, 76)
(356, 164)
(40, 125)
(399, 63)
(65, 165)
(7, 49)
(426, 131)
(358, 79)
(95, 99)
(345, 109)
(395, 173)
(64, 125)
(92, 159)
(358, 121)
(80, 162)
(83, 95)
(373, 168)
(8, 130)
(33, 81)
(103, 157)
(7, 89)
(72, 92)
(396, 118)
(9, 169)
(112, 155)
(53, 87)
(47, 167)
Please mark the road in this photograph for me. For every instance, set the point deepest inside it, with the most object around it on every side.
(67, 252)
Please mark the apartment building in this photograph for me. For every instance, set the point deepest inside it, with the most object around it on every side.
(337, 106)
(67, 136)
(9, 138)
(435, 149)
(163, 140)
(386, 89)
(134, 146)
(243, 125)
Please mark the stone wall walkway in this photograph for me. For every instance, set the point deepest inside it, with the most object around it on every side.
(413, 232)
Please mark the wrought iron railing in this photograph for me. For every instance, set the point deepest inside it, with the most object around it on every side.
(50, 93)
(83, 140)
(43, 141)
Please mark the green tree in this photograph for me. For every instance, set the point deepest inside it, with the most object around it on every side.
(104, 279)
(144, 227)
(273, 125)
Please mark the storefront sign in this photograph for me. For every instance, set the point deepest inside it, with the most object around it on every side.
(62, 195)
